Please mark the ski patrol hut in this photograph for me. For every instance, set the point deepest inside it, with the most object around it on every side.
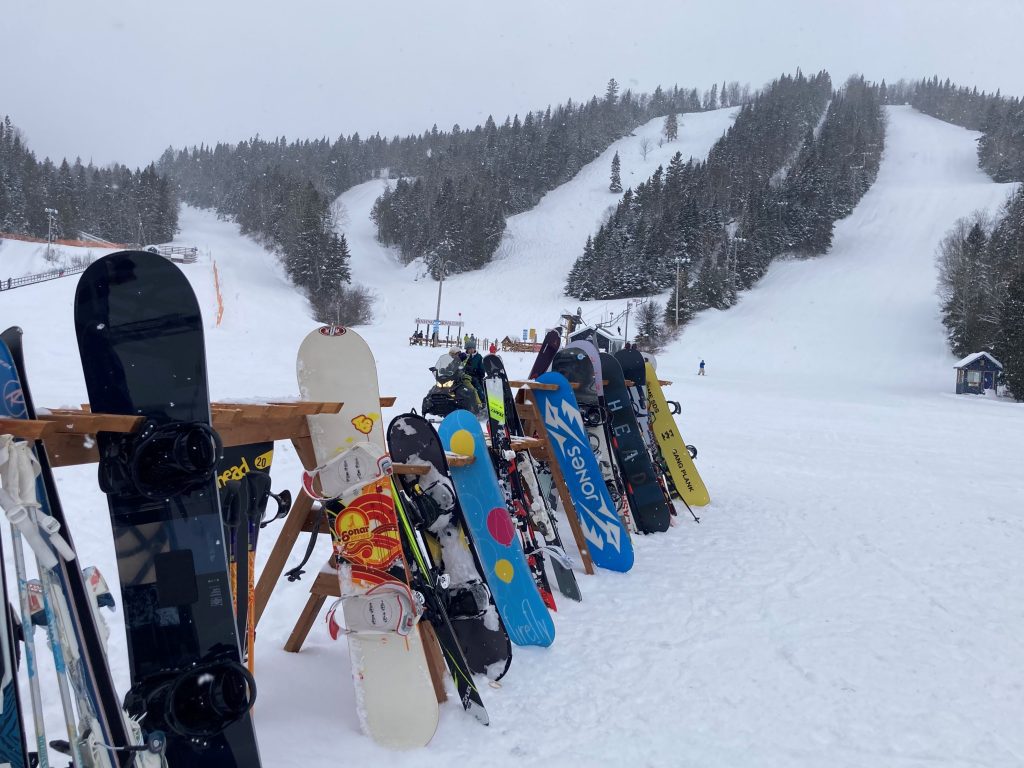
(976, 373)
(602, 338)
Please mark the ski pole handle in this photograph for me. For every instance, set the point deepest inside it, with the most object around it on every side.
(17, 515)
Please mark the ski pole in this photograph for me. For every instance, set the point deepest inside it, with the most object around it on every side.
(19, 475)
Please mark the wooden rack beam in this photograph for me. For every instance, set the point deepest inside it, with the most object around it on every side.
(26, 429)
(534, 385)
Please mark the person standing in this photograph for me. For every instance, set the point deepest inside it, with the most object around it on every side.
(474, 367)
(701, 371)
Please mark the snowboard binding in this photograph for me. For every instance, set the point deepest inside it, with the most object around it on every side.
(345, 475)
(593, 415)
(468, 601)
(161, 460)
(388, 607)
(424, 509)
(197, 703)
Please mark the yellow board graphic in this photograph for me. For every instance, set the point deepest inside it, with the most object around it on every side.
(680, 466)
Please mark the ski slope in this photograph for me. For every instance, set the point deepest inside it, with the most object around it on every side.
(851, 596)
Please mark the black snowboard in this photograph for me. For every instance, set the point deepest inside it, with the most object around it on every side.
(243, 479)
(96, 678)
(474, 617)
(647, 500)
(634, 369)
(548, 348)
(140, 336)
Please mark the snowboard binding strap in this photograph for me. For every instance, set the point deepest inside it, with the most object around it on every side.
(161, 460)
(387, 607)
(198, 702)
(345, 475)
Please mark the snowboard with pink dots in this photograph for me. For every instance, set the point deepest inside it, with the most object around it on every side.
(497, 542)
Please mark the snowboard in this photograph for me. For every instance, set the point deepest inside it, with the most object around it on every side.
(243, 479)
(13, 748)
(635, 372)
(396, 704)
(684, 473)
(494, 535)
(475, 618)
(548, 348)
(584, 371)
(651, 510)
(607, 539)
(140, 336)
(541, 517)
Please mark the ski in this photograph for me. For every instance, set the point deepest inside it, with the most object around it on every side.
(504, 459)
(541, 516)
(114, 739)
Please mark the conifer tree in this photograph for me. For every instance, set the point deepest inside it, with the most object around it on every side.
(671, 128)
(616, 180)
(650, 333)
(1010, 344)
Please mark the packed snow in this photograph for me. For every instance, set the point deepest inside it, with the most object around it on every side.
(850, 597)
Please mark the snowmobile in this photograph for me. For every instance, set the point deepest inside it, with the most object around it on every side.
(452, 390)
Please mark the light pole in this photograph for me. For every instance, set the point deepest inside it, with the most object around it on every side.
(51, 215)
(679, 261)
(442, 270)
(629, 304)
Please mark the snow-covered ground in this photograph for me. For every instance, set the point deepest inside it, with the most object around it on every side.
(850, 598)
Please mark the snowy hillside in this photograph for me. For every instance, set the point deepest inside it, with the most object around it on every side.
(849, 597)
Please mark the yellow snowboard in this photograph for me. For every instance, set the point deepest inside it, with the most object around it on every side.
(680, 465)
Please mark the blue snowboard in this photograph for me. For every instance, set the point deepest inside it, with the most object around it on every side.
(494, 535)
(610, 547)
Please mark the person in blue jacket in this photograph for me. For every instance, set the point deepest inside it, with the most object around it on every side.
(701, 371)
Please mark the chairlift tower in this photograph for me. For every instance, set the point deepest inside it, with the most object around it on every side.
(51, 215)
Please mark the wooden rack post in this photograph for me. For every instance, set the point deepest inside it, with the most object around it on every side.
(529, 414)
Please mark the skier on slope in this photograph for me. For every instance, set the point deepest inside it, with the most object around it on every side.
(701, 371)
(475, 368)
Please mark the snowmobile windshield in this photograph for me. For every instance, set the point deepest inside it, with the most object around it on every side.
(448, 367)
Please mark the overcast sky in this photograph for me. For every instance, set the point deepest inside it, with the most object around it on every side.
(123, 79)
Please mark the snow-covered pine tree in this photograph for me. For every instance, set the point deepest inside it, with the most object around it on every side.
(1010, 343)
(616, 176)
(671, 127)
(650, 334)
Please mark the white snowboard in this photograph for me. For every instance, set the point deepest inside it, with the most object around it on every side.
(396, 703)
